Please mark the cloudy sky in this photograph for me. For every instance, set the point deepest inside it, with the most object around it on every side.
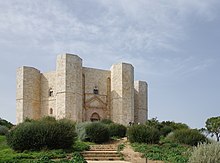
(173, 45)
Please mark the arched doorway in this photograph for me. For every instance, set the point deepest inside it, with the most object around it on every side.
(95, 117)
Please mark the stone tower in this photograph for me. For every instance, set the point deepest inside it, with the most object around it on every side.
(122, 93)
(28, 93)
(69, 87)
(81, 93)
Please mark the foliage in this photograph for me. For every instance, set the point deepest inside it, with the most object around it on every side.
(213, 126)
(174, 125)
(3, 122)
(165, 127)
(106, 121)
(80, 146)
(3, 130)
(168, 152)
(165, 130)
(81, 130)
(44, 133)
(206, 153)
(154, 123)
(187, 136)
(47, 156)
(117, 130)
(97, 132)
(120, 147)
(143, 134)
(77, 157)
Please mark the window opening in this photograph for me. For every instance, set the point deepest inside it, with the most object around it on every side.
(96, 90)
(51, 111)
(50, 92)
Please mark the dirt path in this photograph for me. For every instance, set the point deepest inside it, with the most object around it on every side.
(132, 156)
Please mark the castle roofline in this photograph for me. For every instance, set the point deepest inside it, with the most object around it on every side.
(69, 54)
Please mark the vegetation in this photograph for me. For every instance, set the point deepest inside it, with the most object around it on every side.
(165, 127)
(106, 121)
(3, 130)
(81, 131)
(206, 153)
(213, 127)
(49, 156)
(45, 133)
(143, 134)
(97, 132)
(5, 123)
(168, 152)
(187, 136)
(117, 130)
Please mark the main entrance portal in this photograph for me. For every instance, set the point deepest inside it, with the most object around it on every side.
(95, 117)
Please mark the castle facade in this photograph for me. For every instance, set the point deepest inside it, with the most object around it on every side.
(81, 93)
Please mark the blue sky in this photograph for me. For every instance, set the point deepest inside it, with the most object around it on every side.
(173, 45)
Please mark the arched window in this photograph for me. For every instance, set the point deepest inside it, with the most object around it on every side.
(50, 92)
(51, 111)
(96, 90)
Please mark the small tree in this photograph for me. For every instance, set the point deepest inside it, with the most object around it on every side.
(213, 126)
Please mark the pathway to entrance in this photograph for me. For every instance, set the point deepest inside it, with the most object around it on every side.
(108, 153)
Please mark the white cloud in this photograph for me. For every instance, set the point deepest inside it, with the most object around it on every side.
(119, 29)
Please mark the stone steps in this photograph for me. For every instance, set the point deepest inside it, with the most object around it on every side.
(102, 153)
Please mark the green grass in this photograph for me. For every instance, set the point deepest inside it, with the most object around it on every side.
(9, 156)
(167, 152)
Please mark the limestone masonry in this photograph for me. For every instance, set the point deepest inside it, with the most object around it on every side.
(81, 93)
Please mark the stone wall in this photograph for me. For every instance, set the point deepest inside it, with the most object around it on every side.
(48, 94)
(68, 92)
(122, 93)
(69, 87)
(141, 110)
(27, 94)
(96, 103)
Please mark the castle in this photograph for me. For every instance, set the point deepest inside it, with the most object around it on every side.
(81, 93)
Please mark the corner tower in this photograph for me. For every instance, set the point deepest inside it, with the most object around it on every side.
(69, 87)
(27, 93)
(122, 93)
(140, 102)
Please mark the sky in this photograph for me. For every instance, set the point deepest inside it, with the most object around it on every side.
(173, 45)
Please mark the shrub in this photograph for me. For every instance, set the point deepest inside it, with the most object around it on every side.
(81, 146)
(3, 122)
(143, 134)
(3, 130)
(164, 131)
(97, 132)
(206, 153)
(106, 121)
(81, 130)
(117, 130)
(187, 136)
(45, 133)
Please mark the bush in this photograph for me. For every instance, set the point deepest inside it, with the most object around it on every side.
(81, 130)
(117, 130)
(97, 132)
(106, 121)
(45, 133)
(187, 136)
(206, 153)
(164, 131)
(143, 134)
(3, 130)
(81, 146)
(3, 122)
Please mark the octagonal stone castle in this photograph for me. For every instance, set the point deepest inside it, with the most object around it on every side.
(81, 93)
